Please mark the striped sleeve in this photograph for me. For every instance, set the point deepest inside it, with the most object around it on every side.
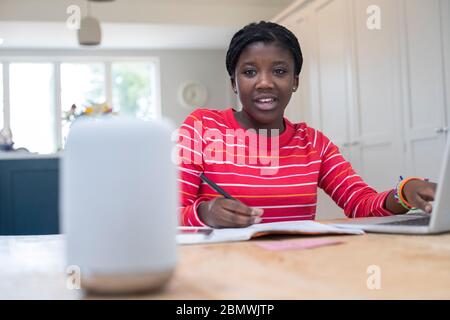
(190, 160)
(347, 189)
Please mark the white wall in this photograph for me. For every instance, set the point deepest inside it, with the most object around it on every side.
(176, 67)
(205, 66)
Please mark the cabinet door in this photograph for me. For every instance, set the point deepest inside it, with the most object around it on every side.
(333, 70)
(29, 197)
(300, 106)
(425, 115)
(445, 16)
(377, 84)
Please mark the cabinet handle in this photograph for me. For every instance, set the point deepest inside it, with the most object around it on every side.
(351, 144)
(445, 129)
(440, 130)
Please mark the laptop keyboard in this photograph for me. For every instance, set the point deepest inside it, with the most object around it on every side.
(412, 222)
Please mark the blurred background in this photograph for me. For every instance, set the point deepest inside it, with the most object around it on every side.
(376, 75)
(148, 51)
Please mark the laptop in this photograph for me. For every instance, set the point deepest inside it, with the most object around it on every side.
(417, 222)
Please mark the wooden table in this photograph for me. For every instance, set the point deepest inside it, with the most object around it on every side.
(412, 267)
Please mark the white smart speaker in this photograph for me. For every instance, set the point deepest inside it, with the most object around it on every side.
(119, 203)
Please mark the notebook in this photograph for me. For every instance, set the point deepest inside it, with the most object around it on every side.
(193, 235)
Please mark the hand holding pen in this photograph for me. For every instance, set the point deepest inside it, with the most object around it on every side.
(226, 211)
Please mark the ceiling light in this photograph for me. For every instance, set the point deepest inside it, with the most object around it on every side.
(1, 41)
(89, 33)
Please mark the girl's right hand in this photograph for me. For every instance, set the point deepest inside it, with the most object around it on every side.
(226, 213)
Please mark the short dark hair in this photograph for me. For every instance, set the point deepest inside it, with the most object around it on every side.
(267, 32)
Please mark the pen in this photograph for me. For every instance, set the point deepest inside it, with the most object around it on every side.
(216, 187)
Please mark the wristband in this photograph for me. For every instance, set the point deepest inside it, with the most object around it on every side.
(399, 195)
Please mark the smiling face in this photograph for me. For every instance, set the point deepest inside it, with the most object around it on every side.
(264, 81)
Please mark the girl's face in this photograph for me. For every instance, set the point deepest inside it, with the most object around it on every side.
(264, 81)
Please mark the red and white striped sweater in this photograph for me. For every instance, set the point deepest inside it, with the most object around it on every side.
(283, 184)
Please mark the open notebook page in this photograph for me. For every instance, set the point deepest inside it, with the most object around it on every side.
(205, 235)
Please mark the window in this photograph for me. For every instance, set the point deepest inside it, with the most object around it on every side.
(32, 106)
(82, 85)
(42, 91)
(133, 88)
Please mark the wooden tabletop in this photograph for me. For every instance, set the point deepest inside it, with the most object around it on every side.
(411, 267)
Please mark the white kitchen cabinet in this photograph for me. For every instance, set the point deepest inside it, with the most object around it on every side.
(381, 95)
(425, 83)
(377, 122)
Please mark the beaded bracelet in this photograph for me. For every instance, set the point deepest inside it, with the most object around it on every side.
(398, 192)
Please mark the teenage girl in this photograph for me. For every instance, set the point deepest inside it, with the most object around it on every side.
(264, 61)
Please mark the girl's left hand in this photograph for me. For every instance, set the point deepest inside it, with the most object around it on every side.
(419, 193)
